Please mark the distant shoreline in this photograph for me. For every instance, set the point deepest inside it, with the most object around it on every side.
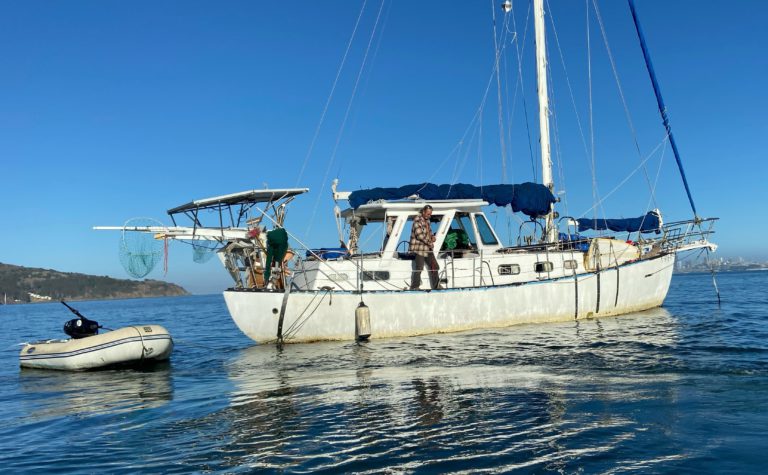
(43, 302)
(720, 271)
(20, 284)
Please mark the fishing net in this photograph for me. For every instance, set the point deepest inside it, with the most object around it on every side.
(140, 251)
(202, 251)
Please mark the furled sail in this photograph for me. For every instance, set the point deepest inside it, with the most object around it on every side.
(649, 223)
(532, 199)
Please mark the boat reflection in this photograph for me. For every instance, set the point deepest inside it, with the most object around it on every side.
(50, 394)
(527, 390)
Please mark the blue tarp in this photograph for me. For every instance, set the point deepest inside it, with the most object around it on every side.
(651, 222)
(531, 198)
(328, 252)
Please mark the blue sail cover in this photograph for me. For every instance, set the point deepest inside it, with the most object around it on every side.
(651, 222)
(532, 199)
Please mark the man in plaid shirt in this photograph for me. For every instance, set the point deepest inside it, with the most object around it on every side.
(422, 244)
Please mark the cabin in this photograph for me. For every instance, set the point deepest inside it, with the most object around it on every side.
(468, 250)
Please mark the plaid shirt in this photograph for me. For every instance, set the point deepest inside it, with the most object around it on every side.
(421, 237)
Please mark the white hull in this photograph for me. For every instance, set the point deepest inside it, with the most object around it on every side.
(129, 345)
(324, 315)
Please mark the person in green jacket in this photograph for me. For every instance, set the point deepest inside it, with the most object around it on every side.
(277, 246)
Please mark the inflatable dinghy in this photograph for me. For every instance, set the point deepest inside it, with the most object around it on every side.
(129, 346)
(134, 345)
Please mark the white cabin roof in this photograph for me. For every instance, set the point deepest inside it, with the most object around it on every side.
(379, 209)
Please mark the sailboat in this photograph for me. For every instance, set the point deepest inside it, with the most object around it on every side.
(552, 274)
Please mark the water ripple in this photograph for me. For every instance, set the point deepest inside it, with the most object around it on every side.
(676, 389)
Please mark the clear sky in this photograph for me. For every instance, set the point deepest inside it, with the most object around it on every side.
(115, 110)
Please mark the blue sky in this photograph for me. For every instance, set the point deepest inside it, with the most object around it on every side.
(115, 110)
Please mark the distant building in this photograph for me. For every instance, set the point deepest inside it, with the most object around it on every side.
(33, 297)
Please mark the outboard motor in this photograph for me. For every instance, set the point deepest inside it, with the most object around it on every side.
(81, 328)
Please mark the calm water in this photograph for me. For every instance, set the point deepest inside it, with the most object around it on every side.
(673, 390)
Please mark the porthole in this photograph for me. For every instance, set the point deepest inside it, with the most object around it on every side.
(375, 275)
(509, 269)
(544, 266)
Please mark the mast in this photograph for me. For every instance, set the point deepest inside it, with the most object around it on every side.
(550, 233)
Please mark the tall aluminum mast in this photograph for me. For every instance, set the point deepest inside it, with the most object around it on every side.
(550, 232)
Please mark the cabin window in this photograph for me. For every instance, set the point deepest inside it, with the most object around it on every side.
(338, 277)
(434, 222)
(465, 223)
(375, 275)
(368, 234)
(509, 269)
(457, 240)
(544, 266)
(570, 264)
(486, 235)
(405, 237)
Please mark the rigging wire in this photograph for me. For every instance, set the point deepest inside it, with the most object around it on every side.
(568, 82)
(510, 112)
(354, 92)
(375, 54)
(471, 127)
(474, 128)
(508, 214)
(500, 113)
(630, 123)
(558, 151)
(651, 201)
(512, 108)
(591, 117)
(480, 152)
(455, 173)
(346, 116)
(616, 188)
(464, 156)
(534, 161)
(330, 95)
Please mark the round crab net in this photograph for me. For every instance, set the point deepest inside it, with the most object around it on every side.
(139, 250)
(202, 251)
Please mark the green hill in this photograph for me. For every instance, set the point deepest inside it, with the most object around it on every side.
(27, 284)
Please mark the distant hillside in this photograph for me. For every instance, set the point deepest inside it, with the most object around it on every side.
(27, 284)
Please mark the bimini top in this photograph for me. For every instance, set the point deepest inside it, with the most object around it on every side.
(532, 199)
(242, 198)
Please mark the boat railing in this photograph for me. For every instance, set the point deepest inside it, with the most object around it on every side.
(487, 264)
(688, 234)
(529, 239)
